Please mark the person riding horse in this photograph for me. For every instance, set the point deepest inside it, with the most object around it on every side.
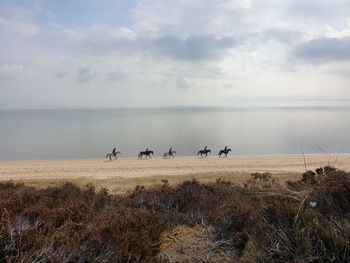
(147, 153)
(169, 154)
(114, 154)
(204, 151)
(224, 151)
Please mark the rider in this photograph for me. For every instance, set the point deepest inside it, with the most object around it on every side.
(225, 148)
(114, 152)
(171, 151)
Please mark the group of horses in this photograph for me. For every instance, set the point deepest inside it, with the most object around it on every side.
(205, 152)
(147, 153)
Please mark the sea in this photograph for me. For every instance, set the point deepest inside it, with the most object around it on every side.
(91, 133)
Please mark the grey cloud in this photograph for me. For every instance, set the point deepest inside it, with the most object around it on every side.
(85, 75)
(182, 84)
(114, 76)
(201, 47)
(319, 8)
(324, 50)
(283, 35)
(60, 74)
(192, 48)
(345, 72)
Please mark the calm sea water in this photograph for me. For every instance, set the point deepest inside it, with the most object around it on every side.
(77, 134)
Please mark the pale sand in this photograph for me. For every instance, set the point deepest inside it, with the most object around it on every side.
(124, 173)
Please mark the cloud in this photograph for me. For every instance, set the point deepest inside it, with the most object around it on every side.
(60, 74)
(102, 40)
(182, 83)
(204, 47)
(319, 9)
(114, 76)
(284, 35)
(323, 50)
(175, 50)
(10, 71)
(85, 75)
(19, 20)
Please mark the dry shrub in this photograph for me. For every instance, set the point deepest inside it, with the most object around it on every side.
(261, 181)
(69, 224)
(257, 224)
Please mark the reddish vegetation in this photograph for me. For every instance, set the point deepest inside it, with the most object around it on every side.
(69, 224)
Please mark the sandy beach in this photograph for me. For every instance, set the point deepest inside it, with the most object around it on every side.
(124, 173)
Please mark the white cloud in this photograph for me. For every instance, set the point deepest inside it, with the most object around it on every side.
(19, 20)
(10, 71)
(86, 75)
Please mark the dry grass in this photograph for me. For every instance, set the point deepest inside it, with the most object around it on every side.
(259, 221)
(122, 185)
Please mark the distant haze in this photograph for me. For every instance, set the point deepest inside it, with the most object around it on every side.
(155, 53)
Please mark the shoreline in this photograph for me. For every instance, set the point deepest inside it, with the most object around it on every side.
(176, 156)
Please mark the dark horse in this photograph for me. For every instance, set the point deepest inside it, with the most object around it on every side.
(146, 153)
(224, 151)
(204, 151)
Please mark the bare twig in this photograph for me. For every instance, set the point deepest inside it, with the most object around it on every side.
(302, 150)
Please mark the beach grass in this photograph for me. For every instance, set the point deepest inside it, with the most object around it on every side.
(120, 185)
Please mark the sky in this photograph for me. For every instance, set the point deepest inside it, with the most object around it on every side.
(155, 53)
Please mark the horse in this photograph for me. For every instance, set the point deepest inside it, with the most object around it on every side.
(224, 151)
(146, 153)
(169, 154)
(110, 155)
(204, 151)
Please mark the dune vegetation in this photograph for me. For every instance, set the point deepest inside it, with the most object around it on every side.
(258, 221)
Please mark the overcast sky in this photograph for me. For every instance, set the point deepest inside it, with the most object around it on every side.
(120, 53)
